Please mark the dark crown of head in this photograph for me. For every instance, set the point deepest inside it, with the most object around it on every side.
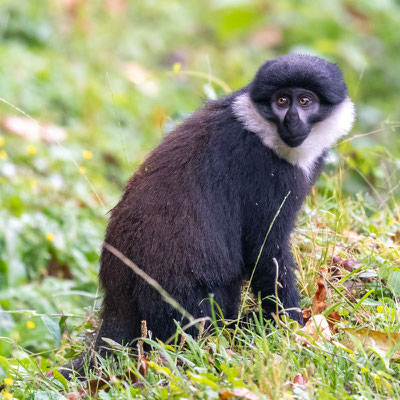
(294, 70)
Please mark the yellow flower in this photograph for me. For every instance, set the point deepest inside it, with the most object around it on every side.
(82, 170)
(50, 236)
(3, 155)
(176, 67)
(1, 141)
(8, 381)
(32, 183)
(87, 154)
(30, 324)
(7, 395)
(31, 149)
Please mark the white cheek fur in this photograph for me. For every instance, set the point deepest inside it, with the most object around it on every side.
(322, 136)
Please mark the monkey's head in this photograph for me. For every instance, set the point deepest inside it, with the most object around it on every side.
(298, 105)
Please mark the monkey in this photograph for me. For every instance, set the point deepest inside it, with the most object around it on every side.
(216, 202)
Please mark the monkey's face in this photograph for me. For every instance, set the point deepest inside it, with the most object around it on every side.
(295, 111)
(298, 106)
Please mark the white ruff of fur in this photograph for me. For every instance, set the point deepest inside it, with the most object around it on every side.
(322, 136)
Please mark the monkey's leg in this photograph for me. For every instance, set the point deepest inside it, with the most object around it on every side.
(121, 323)
(278, 278)
(160, 316)
(227, 299)
(119, 327)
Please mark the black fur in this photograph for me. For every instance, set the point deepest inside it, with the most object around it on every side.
(320, 76)
(194, 216)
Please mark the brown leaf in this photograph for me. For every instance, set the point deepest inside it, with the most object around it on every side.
(320, 294)
(359, 18)
(353, 288)
(324, 272)
(336, 260)
(159, 117)
(351, 235)
(71, 5)
(335, 272)
(317, 328)
(95, 385)
(225, 394)
(143, 365)
(333, 319)
(370, 337)
(164, 360)
(59, 270)
(103, 383)
(74, 396)
(300, 380)
(116, 7)
(397, 237)
(351, 265)
(245, 393)
(34, 130)
(306, 314)
(319, 303)
(141, 77)
(240, 392)
(267, 37)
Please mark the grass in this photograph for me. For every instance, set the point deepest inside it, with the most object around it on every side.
(265, 358)
(116, 82)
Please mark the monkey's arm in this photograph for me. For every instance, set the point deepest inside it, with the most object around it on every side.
(270, 213)
(275, 282)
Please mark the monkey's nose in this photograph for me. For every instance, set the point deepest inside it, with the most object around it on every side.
(292, 122)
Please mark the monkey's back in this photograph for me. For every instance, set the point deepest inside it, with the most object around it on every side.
(194, 217)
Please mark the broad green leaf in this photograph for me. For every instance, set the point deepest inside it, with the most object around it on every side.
(394, 283)
(61, 379)
(53, 328)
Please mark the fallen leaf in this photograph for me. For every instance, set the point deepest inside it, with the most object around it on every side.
(71, 5)
(74, 396)
(359, 18)
(351, 265)
(240, 392)
(306, 314)
(351, 235)
(324, 272)
(141, 77)
(317, 328)
(353, 288)
(58, 269)
(34, 130)
(319, 304)
(336, 260)
(93, 386)
(225, 394)
(369, 337)
(245, 393)
(116, 7)
(267, 37)
(300, 381)
(333, 319)
(335, 272)
(143, 365)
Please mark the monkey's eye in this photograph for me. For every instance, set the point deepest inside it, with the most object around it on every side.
(304, 101)
(282, 101)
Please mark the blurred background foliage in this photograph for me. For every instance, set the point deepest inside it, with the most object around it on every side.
(107, 79)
